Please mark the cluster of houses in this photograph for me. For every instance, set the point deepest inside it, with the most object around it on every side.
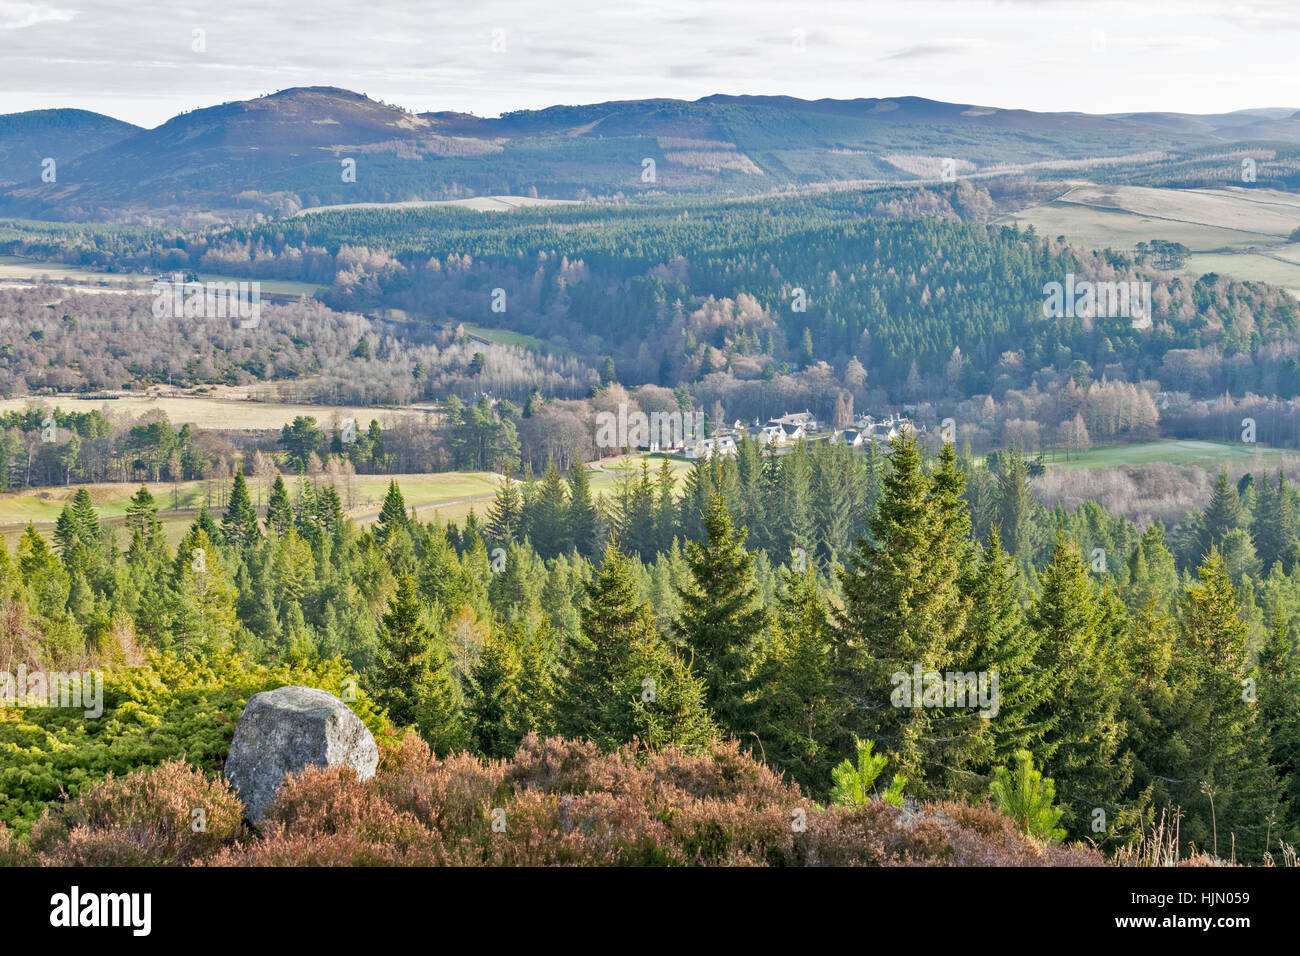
(866, 429)
(790, 429)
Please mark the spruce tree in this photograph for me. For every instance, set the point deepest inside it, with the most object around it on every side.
(622, 681)
(582, 512)
(393, 515)
(1226, 787)
(506, 513)
(492, 688)
(1279, 721)
(279, 511)
(999, 641)
(203, 620)
(548, 519)
(797, 709)
(142, 516)
(720, 616)
(239, 525)
(1223, 515)
(1079, 709)
(414, 676)
(902, 610)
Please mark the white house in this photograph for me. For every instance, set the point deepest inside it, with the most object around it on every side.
(723, 445)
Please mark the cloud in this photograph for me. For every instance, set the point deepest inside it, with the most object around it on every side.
(18, 16)
(923, 50)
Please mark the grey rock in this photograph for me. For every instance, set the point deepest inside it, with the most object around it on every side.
(282, 731)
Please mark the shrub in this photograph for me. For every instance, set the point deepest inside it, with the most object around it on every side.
(854, 786)
(166, 710)
(1026, 796)
(171, 814)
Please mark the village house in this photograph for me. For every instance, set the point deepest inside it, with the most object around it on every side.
(724, 446)
(852, 437)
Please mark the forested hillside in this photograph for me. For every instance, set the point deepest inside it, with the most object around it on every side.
(750, 290)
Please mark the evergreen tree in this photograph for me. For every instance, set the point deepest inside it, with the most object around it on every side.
(582, 512)
(1225, 781)
(142, 517)
(492, 688)
(720, 616)
(1223, 515)
(279, 511)
(902, 610)
(393, 515)
(415, 684)
(797, 710)
(622, 681)
(1079, 709)
(1015, 505)
(999, 641)
(203, 620)
(239, 525)
(505, 516)
(548, 520)
(1279, 722)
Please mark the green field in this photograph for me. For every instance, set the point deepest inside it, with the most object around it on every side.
(505, 337)
(1209, 455)
(1235, 231)
(218, 413)
(20, 269)
(442, 497)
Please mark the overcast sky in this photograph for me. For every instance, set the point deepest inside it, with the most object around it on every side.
(139, 62)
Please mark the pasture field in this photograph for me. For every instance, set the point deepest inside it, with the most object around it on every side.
(481, 203)
(220, 414)
(1239, 232)
(505, 337)
(1209, 455)
(442, 497)
(16, 268)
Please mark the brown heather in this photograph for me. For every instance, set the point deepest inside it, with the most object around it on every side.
(565, 803)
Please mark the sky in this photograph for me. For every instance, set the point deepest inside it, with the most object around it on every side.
(149, 61)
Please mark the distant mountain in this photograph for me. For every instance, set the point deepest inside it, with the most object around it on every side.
(292, 149)
(1278, 124)
(27, 139)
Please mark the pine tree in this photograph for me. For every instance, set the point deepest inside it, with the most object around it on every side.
(902, 609)
(393, 515)
(1226, 787)
(720, 616)
(797, 710)
(239, 525)
(506, 514)
(1079, 709)
(621, 679)
(279, 511)
(582, 512)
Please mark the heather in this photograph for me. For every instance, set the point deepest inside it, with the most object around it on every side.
(554, 802)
